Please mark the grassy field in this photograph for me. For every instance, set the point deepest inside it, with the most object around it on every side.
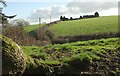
(71, 56)
(31, 27)
(92, 56)
(83, 46)
(86, 26)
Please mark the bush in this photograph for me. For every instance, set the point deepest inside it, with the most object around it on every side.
(65, 39)
(21, 37)
(17, 34)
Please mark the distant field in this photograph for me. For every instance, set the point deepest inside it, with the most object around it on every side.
(86, 26)
(31, 27)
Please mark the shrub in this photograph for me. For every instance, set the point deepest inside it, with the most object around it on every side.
(17, 34)
(73, 38)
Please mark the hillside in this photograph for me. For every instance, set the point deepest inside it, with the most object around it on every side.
(86, 26)
(30, 28)
(93, 57)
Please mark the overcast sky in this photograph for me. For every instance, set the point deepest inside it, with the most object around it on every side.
(31, 10)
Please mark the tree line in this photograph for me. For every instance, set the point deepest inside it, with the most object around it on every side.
(63, 18)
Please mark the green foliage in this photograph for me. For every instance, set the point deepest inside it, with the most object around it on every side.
(86, 26)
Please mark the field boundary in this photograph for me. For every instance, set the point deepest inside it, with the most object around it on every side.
(75, 38)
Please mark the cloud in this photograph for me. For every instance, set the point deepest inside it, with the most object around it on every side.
(37, 0)
(87, 7)
(62, 0)
(72, 8)
(95, 0)
(45, 13)
(58, 10)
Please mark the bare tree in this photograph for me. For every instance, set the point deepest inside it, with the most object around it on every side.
(19, 22)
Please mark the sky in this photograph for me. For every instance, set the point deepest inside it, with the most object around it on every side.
(31, 10)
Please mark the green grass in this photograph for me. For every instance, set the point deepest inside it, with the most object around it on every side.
(82, 49)
(86, 26)
(63, 57)
(31, 27)
(29, 50)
